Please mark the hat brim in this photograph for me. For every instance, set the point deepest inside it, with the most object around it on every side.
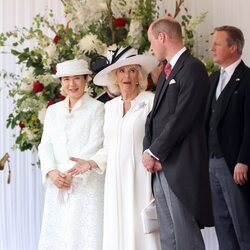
(147, 62)
(85, 72)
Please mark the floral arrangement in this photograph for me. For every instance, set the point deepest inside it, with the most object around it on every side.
(87, 34)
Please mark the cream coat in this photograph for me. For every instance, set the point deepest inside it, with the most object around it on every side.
(127, 183)
(72, 219)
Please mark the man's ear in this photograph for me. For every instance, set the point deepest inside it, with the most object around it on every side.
(162, 36)
(233, 48)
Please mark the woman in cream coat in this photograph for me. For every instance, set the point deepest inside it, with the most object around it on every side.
(73, 210)
(127, 183)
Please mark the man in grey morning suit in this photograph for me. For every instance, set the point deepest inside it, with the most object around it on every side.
(175, 142)
(228, 128)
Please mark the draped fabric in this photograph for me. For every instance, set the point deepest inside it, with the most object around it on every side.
(21, 202)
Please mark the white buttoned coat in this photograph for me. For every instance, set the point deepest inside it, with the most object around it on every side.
(72, 218)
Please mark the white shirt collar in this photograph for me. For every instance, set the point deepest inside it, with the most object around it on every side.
(231, 68)
(229, 71)
(175, 58)
(78, 104)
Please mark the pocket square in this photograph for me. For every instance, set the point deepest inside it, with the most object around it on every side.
(172, 81)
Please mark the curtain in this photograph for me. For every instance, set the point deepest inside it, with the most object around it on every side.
(21, 202)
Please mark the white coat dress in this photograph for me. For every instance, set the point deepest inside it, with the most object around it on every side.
(127, 183)
(72, 219)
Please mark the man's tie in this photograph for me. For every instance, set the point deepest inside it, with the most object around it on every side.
(221, 83)
(167, 70)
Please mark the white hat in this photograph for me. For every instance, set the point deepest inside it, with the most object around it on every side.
(121, 57)
(72, 68)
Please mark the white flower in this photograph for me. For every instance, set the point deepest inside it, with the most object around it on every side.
(50, 54)
(51, 51)
(194, 22)
(30, 104)
(85, 12)
(30, 135)
(28, 74)
(90, 42)
(47, 79)
(124, 8)
(41, 114)
(112, 47)
(27, 80)
(26, 86)
(135, 32)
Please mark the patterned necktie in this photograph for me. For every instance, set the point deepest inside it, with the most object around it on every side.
(221, 83)
(167, 70)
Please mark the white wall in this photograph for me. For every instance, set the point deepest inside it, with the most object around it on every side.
(222, 12)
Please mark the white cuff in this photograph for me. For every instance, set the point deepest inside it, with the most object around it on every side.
(151, 154)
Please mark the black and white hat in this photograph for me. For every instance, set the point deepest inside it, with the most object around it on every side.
(116, 59)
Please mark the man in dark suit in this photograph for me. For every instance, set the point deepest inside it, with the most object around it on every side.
(228, 128)
(175, 142)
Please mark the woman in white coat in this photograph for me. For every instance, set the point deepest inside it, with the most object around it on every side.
(73, 209)
(127, 183)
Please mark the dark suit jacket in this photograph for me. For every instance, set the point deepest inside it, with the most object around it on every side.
(233, 119)
(175, 133)
(104, 97)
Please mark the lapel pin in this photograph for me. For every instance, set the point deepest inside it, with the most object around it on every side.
(237, 79)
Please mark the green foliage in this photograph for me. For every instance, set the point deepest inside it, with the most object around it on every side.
(91, 29)
(211, 66)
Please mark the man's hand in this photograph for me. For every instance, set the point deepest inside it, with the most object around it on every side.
(157, 166)
(240, 173)
(59, 179)
(148, 162)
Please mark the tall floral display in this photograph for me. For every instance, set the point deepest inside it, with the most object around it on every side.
(91, 27)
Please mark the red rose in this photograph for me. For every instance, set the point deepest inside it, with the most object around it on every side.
(60, 96)
(50, 102)
(37, 87)
(119, 22)
(21, 125)
(56, 39)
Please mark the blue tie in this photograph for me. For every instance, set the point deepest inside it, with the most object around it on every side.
(221, 83)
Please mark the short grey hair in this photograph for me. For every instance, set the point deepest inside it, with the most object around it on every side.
(114, 87)
(234, 36)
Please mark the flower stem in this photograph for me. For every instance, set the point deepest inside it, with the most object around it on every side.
(110, 18)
